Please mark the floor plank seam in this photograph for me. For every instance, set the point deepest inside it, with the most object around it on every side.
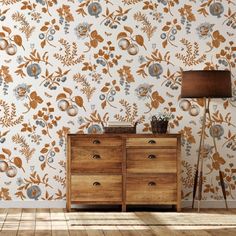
(19, 222)
(153, 224)
(5, 211)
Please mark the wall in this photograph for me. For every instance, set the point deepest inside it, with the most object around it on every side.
(67, 66)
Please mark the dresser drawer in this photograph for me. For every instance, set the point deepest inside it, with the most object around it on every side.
(151, 142)
(96, 160)
(96, 188)
(160, 188)
(151, 160)
(96, 142)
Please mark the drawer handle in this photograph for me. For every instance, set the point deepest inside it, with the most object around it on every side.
(151, 183)
(96, 141)
(151, 156)
(96, 157)
(96, 184)
(151, 141)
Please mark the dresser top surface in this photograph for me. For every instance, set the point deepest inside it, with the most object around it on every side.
(140, 135)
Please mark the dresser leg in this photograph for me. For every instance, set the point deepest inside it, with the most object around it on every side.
(123, 207)
(68, 207)
(178, 208)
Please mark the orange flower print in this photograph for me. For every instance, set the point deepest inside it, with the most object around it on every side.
(65, 13)
(217, 39)
(95, 39)
(35, 100)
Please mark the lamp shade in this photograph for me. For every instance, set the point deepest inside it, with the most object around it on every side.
(206, 83)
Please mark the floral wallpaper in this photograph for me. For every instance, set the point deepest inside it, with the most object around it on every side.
(68, 66)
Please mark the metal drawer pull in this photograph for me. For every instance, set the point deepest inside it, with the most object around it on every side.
(96, 184)
(151, 156)
(96, 157)
(151, 141)
(151, 183)
(96, 141)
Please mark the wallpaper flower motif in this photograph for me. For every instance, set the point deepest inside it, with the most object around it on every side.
(69, 66)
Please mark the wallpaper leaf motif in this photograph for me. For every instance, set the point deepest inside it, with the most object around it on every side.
(130, 1)
(192, 53)
(25, 26)
(25, 150)
(147, 26)
(72, 66)
(8, 2)
(71, 56)
(9, 117)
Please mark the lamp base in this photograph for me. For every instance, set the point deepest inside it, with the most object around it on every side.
(198, 178)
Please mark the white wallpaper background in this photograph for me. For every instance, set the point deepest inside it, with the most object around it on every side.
(67, 66)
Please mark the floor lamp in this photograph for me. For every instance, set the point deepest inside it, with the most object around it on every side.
(205, 84)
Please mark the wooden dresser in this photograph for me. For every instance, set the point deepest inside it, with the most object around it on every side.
(124, 169)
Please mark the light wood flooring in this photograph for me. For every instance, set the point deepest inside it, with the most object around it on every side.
(58, 222)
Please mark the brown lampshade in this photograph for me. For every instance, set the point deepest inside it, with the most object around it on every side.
(206, 83)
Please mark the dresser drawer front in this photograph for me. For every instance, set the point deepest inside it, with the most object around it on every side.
(151, 160)
(96, 188)
(97, 142)
(151, 142)
(151, 189)
(96, 160)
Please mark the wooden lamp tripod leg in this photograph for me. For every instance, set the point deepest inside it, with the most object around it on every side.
(220, 172)
(201, 150)
(196, 182)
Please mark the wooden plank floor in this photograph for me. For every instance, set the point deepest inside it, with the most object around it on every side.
(58, 222)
